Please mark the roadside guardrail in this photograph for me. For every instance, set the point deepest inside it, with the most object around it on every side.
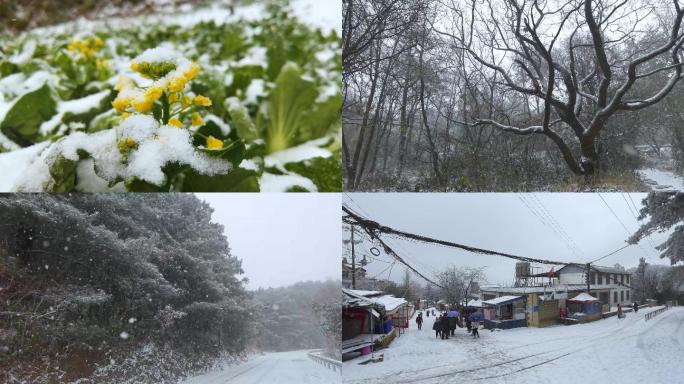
(326, 361)
(655, 313)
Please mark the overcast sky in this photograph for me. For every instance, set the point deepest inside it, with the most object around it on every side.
(282, 238)
(520, 224)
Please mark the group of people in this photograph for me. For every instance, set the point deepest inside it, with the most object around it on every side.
(445, 325)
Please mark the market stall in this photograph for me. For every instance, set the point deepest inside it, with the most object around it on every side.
(505, 312)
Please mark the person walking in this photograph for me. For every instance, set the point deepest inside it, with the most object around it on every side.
(419, 320)
(451, 321)
(636, 307)
(619, 311)
(436, 328)
(476, 325)
(469, 324)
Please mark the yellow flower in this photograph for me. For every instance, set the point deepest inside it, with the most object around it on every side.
(73, 45)
(197, 119)
(142, 104)
(154, 92)
(121, 103)
(135, 67)
(97, 43)
(175, 122)
(173, 98)
(177, 84)
(201, 100)
(186, 101)
(124, 115)
(214, 143)
(102, 63)
(192, 71)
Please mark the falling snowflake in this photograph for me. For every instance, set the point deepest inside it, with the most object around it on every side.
(132, 320)
(123, 335)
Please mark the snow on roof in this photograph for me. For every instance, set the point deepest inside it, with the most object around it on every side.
(474, 303)
(584, 297)
(364, 293)
(501, 300)
(390, 302)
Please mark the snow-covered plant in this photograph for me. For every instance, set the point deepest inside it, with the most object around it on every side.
(250, 105)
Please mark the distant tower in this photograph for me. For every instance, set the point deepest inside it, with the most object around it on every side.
(522, 274)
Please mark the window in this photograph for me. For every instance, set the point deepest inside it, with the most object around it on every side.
(627, 279)
(627, 295)
(593, 278)
(615, 296)
(600, 279)
(622, 279)
(622, 295)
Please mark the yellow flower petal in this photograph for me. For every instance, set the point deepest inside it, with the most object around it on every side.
(124, 115)
(186, 101)
(214, 143)
(177, 84)
(175, 122)
(142, 104)
(192, 71)
(202, 101)
(154, 93)
(120, 104)
(173, 98)
(197, 119)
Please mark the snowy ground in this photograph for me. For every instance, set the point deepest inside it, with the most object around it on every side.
(661, 180)
(629, 350)
(293, 367)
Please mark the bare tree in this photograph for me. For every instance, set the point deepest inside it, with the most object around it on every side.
(574, 61)
(458, 282)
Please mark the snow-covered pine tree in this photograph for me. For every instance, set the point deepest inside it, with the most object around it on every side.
(103, 274)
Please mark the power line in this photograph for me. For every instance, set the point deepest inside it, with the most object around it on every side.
(570, 243)
(372, 227)
(621, 223)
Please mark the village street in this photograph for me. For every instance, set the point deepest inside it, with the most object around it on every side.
(629, 350)
(292, 367)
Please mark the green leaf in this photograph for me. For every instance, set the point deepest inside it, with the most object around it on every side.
(243, 124)
(7, 68)
(242, 76)
(326, 173)
(63, 172)
(289, 104)
(238, 180)
(23, 120)
(324, 116)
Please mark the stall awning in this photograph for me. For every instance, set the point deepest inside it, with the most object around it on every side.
(501, 300)
(583, 298)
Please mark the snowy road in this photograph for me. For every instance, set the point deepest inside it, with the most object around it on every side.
(293, 367)
(629, 350)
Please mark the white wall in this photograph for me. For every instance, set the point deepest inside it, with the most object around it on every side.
(573, 278)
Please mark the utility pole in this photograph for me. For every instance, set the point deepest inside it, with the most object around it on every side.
(588, 277)
(353, 259)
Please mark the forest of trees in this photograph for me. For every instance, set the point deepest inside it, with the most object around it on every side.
(305, 315)
(509, 95)
(113, 288)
